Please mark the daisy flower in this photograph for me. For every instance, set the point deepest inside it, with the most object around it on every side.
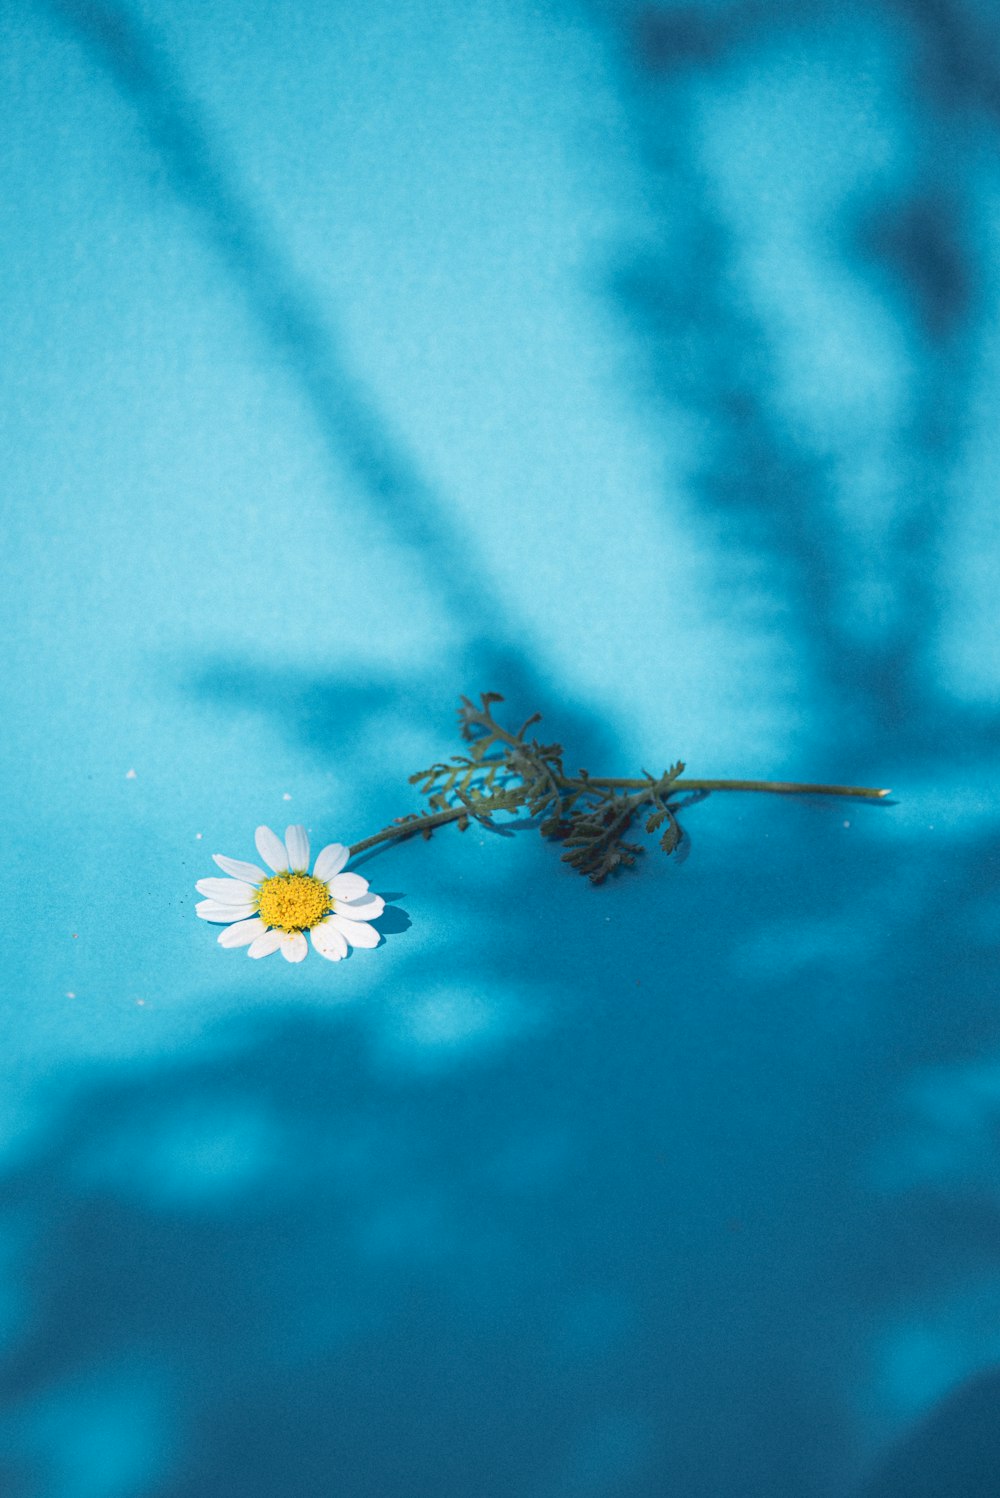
(272, 912)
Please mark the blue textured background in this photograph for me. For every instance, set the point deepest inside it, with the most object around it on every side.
(642, 364)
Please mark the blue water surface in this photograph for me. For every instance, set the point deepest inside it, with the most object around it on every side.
(638, 362)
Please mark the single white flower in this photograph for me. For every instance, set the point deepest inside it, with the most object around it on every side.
(272, 912)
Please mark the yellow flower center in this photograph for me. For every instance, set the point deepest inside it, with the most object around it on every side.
(293, 902)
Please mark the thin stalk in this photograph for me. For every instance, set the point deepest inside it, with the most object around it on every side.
(407, 829)
(779, 787)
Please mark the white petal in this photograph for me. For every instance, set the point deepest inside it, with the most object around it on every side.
(227, 891)
(331, 860)
(348, 886)
(293, 946)
(356, 932)
(242, 933)
(264, 945)
(328, 941)
(239, 870)
(271, 849)
(297, 843)
(369, 908)
(211, 910)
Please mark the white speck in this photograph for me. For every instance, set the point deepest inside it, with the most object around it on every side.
(140, 1002)
(286, 797)
(130, 775)
(71, 995)
(198, 836)
(847, 824)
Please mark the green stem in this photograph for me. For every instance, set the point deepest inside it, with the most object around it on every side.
(780, 787)
(407, 829)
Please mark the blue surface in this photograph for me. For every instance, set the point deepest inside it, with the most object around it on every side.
(641, 364)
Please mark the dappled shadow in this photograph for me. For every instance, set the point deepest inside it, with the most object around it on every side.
(765, 255)
(307, 1258)
(296, 325)
(557, 1211)
(919, 252)
(335, 713)
(865, 600)
(955, 1449)
(583, 1202)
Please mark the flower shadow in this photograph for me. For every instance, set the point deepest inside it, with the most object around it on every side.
(394, 920)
